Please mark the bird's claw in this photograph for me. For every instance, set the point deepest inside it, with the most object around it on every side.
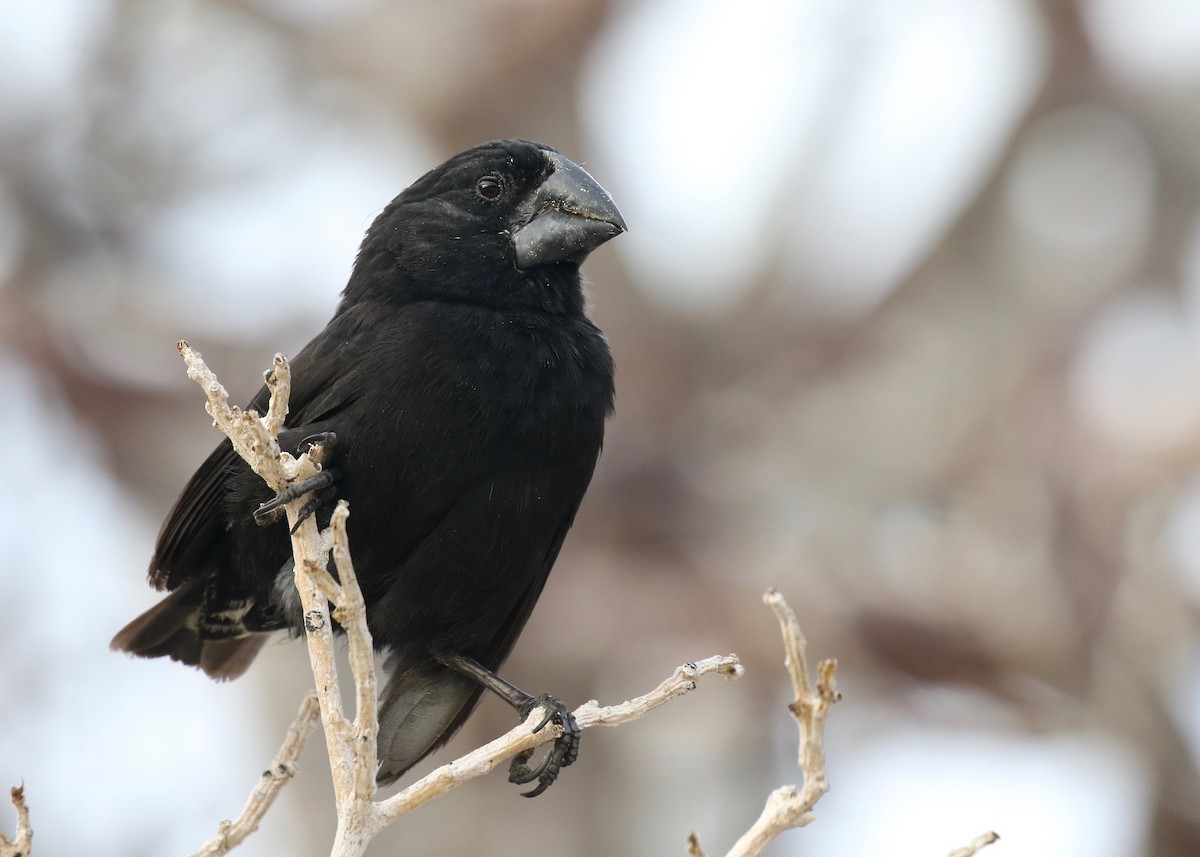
(323, 484)
(563, 752)
(271, 511)
(319, 499)
(326, 439)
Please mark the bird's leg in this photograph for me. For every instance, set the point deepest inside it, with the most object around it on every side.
(323, 483)
(270, 511)
(566, 748)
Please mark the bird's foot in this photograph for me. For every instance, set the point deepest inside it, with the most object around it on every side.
(323, 483)
(324, 486)
(319, 498)
(563, 752)
(565, 749)
(272, 510)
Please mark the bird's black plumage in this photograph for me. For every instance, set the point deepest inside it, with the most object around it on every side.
(467, 391)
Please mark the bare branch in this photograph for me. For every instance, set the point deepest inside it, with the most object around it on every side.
(351, 612)
(682, 681)
(976, 845)
(479, 762)
(787, 807)
(244, 429)
(22, 841)
(279, 382)
(282, 769)
(253, 441)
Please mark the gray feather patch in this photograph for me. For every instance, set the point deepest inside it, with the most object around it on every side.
(414, 714)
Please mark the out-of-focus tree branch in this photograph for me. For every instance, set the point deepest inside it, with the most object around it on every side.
(22, 841)
(977, 844)
(283, 768)
(787, 807)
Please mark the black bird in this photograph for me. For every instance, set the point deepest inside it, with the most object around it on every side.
(463, 392)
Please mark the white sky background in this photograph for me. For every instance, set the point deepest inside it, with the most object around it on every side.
(924, 95)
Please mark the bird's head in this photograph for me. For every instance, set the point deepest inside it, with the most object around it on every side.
(506, 223)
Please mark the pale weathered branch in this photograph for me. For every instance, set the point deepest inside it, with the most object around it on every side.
(976, 845)
(282, 769)
(351, 612)
(787, 807)
(259, 448)
(22, 841)
(279, 382)
(352, 744)
(479, 762)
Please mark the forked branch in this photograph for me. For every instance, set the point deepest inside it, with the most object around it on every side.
(787, 806)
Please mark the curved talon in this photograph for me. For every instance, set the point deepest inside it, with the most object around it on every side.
(326, 439)
(271, 511)
(550, 713)
(267, 514)
(319, 499)
(546, 773)
(563, 752)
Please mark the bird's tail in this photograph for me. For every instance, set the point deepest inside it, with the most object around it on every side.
(171, 628)
(419, 711)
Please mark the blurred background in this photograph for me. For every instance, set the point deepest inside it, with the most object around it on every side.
(907, 324)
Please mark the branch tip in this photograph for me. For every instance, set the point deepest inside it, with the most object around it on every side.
(976, 845)
(22, 840)
(827, 681)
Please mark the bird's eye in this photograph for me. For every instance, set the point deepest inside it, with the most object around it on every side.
(489, 187)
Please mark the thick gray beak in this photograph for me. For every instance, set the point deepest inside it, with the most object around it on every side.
(567, 217)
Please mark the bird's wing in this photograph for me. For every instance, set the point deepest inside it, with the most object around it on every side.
(196, 523)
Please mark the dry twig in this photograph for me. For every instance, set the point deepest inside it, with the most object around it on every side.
(22, 841)
(976, 844)
(480, 761)
(788, 807)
